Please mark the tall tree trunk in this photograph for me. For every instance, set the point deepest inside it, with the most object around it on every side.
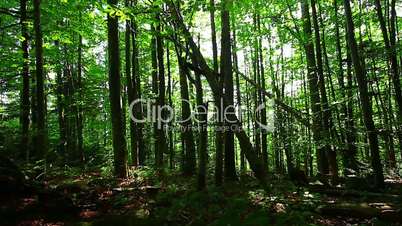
(264, 132)
(118, 138)
(389, 41)
(326, 111)
(25, 105)
(312, 78)
(41, 131)
(219, 144)
(238, 92)
(60, 104)
(169, 89)
(130, 92)
(364, 98)
(80, 114)
(349, 154)
(161, 139)
(203, 133)
(186, 132)
(155, 91)
(136, 80)
(226, 71)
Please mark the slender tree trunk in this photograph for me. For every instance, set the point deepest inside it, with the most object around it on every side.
(161, 139)
(130, 93)
(389, 41)
(264, 132)
(80, 114)
(218, 134)
(312, 78)
(136, 80)
(238, 92)
(169, 89)
(25, 105)
(60, 105)
(41, 131)
(213, 35)
(326, 111)
(186, 133)
(118, 138)
(364, 98)
(349, 154)
(203, 133)
(226, 71)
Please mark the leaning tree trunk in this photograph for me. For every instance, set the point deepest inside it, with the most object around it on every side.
(211, 77)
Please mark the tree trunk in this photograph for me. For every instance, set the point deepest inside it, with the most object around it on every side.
(80, 114)
(25, 105)
(226, 71)
(130, 91)
(326, 111)
(211, 76)
(391, 49)
(203, 133)
(264, 132)
(364, 98)
(60, 105)
(161, 139)
(218, 133)
(41, 131)
(349, 154)
(312, 77)
(136, 80)
(169, 89)
(118, 139)
(186, 132)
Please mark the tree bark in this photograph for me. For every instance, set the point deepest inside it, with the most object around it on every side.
(118, 138)
(326, 111)
(41, 131)
(186, 132)
(312, 77)
(390, 47)
(136, 80)
(25, 104)
(349, 154)
(161, 139)
(130, 92)
(364, 98)
(218, 133)
(80, 114)
(226, 71)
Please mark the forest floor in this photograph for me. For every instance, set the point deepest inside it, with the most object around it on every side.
(69, 198)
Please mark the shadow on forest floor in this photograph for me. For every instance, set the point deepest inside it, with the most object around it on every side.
(92, 199)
